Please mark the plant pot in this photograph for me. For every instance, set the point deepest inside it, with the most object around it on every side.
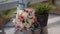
(43, 18)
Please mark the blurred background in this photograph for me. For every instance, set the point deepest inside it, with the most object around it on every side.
(8, 12)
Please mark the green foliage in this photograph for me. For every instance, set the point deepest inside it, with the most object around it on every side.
(7, 12)
(41, 8)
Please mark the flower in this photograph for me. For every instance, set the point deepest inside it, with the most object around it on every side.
(25, 27)
(28, 10)
(21, 17)
(35, 19)
(20, 12)
(30, 17)
(18, 26)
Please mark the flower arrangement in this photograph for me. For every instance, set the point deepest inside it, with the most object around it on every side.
(27, 21)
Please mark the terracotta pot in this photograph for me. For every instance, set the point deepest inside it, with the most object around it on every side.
(42, 19)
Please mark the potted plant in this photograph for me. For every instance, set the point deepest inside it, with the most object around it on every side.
(41, 11)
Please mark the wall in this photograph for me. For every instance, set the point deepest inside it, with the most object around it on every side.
(13, 3)
(8, 5)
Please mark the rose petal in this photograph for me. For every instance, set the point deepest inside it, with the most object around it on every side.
(28, 10)
(21, 18)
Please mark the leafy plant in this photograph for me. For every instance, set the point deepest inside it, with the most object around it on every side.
(43, 8)
(7, 12)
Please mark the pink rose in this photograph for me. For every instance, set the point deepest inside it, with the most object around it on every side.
(28, 10)
(21, 18)
(17, 26)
